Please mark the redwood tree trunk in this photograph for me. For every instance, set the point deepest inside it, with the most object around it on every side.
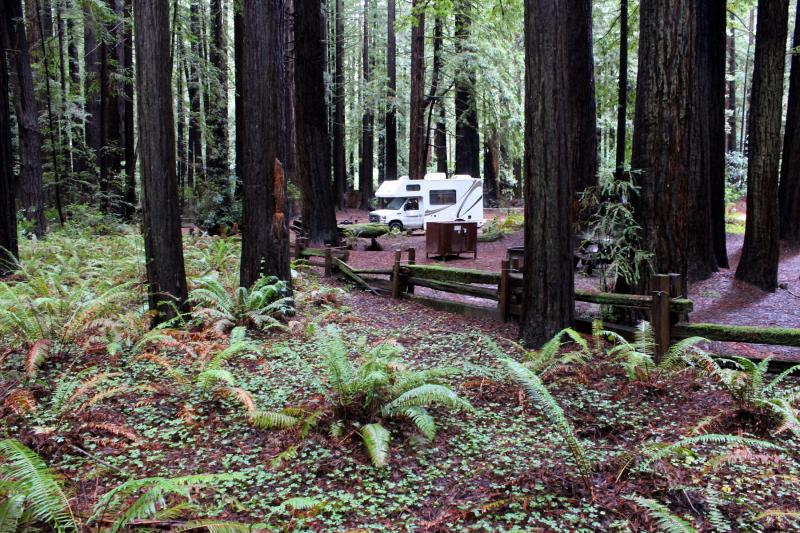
(468, 143)
(130, 148)
(391, 109)
(416, 141)
(311, 125)
(261, 83)
(730, 97)
(716, 39)
(491, 170)
(30, 184)
(194, 151)
(367, 162)
(761, 251)
(9, 251)
(789, 192)
(548, 303)
(622, 88)
(662, 133)
(166, 277)
(217, 138)
(92, 89)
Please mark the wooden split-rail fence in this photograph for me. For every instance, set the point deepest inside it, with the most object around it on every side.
(666, 306)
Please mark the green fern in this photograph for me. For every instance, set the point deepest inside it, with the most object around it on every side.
(376, 439)
(664, 518)
(272, 420)
(657, 452)
(34, 487)
(260, 307)
(552, 411)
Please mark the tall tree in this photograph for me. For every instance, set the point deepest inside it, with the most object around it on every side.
(129, 204)
(706, 178)
(261, 84)
(548, 302)
(761, 251)
(218, 167)
(661, 132)
(367, 163)
(730, 94)
(9, 251)
(622, 88)
(434, 100)
(391, 107)
(339, 158)
(581, 86)
(194, 150)
(30, 188)
(166, 277)
(468, 144)
(313, 171)
(416, 141)
(789, 192)
(92, 89)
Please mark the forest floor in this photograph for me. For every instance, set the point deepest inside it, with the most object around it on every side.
(503, 466)
(719, 299)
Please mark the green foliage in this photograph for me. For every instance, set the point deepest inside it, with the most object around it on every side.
(260, 307)
(33, 492)
(666, 520)
(553, 412)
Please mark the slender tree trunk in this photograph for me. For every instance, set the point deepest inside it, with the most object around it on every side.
(367, 119)
(716, 42)
(238, 50)
(92, 93)
(491, 170)
(548, 302)
(417, 136)
(166, 277)
(730, 96)
(129, 206)
(789, 192)
(468, 143)
(193, 83)
(313, 171)
(622, 90)
(581, 86)
(9, 250)
(751, 27)
(433, 101)
(339, 163)
(261, 84)
(31, 183)
(217, 112)
(391, 107)
(761, 251)
(662, 133)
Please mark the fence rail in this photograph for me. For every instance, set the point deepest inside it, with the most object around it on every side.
(666, 305)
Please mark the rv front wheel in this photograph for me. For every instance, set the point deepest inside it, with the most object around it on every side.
(396, 225)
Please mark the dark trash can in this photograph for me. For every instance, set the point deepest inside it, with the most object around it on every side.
(443, 239)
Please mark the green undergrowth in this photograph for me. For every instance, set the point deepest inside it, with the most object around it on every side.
(178, 404)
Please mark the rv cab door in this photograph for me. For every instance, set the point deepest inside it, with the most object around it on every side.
(413, 213)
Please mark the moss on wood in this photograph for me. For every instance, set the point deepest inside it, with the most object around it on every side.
(749, 334)
(457, 275)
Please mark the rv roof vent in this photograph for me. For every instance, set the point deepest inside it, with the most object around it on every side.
(462, 177)
(403, 178)
(436, 176)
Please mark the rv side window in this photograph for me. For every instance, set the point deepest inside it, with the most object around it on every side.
(412, 187)
(443, 197)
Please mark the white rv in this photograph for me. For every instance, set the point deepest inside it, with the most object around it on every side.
(411, 204)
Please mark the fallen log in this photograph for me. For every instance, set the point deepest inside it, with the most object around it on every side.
(348, 272)
(748, 334)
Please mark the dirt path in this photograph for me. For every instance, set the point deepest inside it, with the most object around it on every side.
(719, 299)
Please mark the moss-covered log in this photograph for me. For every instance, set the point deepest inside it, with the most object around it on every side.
(749, 334)
(455, 275)
(635, 301)
(457, 288)
(364, 231)
(373, 271)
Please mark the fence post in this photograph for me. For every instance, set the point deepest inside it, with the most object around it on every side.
(298, 247)
(677, 289)
(659, 314)
(328, 261)
(504, 290)
(398, 254)
(412, 260)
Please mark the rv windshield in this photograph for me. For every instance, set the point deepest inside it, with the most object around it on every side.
(396, 203)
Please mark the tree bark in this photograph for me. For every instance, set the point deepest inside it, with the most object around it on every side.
(416, 142)
(581, 86)
(129, 204)
(622, 89)
(468, 143)
(761, 251)
(166, 277)
(491, 170)
(9, 250)
(367, 163)
(313, 171)
(261, 84)
(706, 179)
(30, 185)
(789, 191)
(194, 151)
(218, 167)
(391, 109)
(548, 303)
(730, 96)
(662, 133)
(92, 93)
